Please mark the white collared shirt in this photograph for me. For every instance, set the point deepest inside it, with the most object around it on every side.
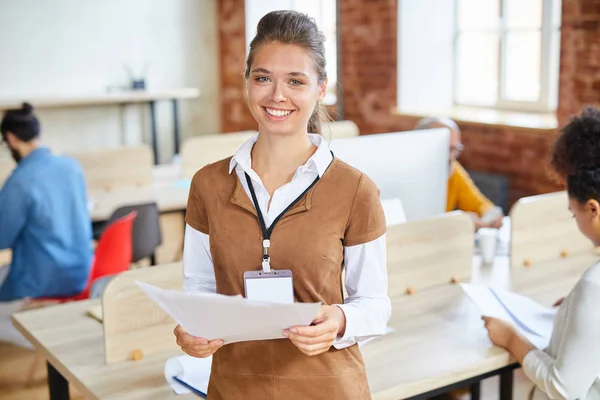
(570, 367)
(367, 307)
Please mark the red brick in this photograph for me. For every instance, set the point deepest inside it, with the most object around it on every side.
(235, 115)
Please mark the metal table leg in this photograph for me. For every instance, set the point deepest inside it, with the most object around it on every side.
(506, 385)
(57, 384)
(175, 126)
(154, 138)
(475, 390)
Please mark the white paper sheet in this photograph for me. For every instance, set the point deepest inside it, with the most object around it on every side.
(527, 313)
(533, 320)
(230, 318)
(193, 371)
(196, 371)
(393, 211)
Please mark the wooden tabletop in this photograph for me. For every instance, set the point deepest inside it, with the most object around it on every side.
(116, 97)
(439, 339)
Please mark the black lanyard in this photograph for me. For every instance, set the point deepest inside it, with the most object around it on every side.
(267, 232)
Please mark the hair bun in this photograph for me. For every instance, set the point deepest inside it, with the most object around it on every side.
(27, 109)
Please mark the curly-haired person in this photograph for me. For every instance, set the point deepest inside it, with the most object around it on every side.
(570, 367)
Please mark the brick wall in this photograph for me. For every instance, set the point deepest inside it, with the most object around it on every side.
(368, 55)
(369, 69)
(235, 115)
(580, 57)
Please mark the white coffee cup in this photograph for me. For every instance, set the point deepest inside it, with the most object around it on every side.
(488, 237)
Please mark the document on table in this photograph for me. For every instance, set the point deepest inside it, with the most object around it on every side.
(230, 318)
(532, 319)
(194, 372)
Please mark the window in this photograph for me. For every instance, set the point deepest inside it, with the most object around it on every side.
(506, 54)
(324, 13)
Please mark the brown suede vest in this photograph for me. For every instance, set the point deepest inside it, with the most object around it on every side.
(342, 209)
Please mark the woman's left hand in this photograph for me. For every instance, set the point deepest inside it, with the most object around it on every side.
(499, 331)
(318, 338)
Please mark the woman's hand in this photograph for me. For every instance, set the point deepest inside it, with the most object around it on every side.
(196, 346)
(499, 331)
(496, 223)
(318, 338)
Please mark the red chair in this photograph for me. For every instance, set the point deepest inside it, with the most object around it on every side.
(113, 255)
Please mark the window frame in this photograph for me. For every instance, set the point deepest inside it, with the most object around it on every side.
(549, 62)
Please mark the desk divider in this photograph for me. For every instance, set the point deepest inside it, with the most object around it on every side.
(339, 129)
(6, 168)
(543, 229)
(121, 166)
(429, 252)
(198, 151)
(420, 254)
(134, 324)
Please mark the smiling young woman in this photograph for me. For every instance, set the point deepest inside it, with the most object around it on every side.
(284, 198)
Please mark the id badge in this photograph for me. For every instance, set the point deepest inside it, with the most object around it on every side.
(273, 287)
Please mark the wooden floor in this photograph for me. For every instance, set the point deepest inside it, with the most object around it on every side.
(16, 363)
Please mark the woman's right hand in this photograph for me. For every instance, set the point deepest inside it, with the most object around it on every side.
(196, 346)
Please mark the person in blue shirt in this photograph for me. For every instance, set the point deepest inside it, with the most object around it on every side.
(44, 217)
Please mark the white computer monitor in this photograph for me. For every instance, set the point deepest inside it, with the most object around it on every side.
(411, 166)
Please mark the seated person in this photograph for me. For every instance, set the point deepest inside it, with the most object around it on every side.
(44, 219)
(569, 368)
(462, 193)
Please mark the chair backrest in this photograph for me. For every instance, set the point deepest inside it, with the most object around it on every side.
(132, 321)
(146, 233)
(114, 250)
(198, 151)
(542, 229)
(339, 129)
(428, 252)
(493, 186)
(122, 166)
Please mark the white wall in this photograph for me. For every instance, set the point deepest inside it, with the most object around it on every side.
(425, 54)
(62, 47)
(256, 9)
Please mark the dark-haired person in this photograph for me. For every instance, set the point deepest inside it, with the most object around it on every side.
(331, 220)
(570, 367)
(44, 219)
(463, 194)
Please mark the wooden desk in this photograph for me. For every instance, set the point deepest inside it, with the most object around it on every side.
(116, 98)
(439, 342)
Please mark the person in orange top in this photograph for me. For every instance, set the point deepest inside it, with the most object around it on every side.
(462, 193)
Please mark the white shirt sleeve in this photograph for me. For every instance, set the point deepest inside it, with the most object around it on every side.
(198, 268)
(367, 307)
(577, 364)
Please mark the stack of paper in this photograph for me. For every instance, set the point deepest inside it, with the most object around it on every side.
(185, 372)
(532, 319)
(230, 318)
